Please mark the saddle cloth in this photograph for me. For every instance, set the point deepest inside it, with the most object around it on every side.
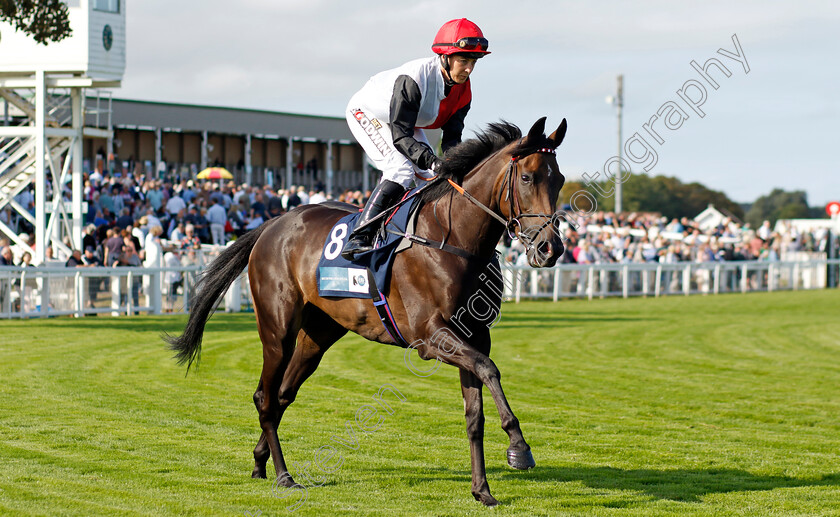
(341, 278)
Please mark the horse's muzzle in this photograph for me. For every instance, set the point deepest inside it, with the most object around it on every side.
(545, 253)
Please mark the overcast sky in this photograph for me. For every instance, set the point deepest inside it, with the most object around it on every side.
(776, 126)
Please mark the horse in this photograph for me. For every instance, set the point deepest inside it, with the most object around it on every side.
(499, 181)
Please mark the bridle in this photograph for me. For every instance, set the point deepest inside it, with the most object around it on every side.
(513, 225)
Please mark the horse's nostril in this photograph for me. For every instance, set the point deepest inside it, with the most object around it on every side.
(544, 249)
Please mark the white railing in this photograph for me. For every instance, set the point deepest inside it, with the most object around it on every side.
(131, 290)
(654, 279)
(64, 291)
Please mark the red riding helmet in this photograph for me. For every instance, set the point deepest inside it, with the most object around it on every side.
(460, 36)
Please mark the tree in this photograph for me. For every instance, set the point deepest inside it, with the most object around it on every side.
(45, 20)
(666, 195)
(578, 197)
(778, 204)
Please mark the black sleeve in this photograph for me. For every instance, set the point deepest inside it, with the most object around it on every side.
(453, 128)
(405, 105)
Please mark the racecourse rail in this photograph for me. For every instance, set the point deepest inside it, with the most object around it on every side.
(131, 290)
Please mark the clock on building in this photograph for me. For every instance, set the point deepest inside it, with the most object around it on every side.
(107, 37)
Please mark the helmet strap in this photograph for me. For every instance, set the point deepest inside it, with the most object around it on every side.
(447, 77)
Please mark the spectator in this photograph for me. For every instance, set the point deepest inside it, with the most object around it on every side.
(89, 259)
(26, 260)
(106, 201)
(124, 220)
(99, 220)
(188, 194)
(6, 258)
(294, 199)
(275, 206)
(192, 219)
(304, 197)
(764, 231)
(216, 195)
(113, 247)
(190, 240)
(238, 219)
(89, 238)
(254, 221)
(177, 234)
(173, 279)
(258, 207)
(202, 225)
(75, 259)
(152, 219)
(117, 199)
(96, 177)
(318, 197)
(129, 238)
(175, 205)
(8, 218)
(178, 219)
(217, 217)
(153, 248)
(129, 258)
(154, 195)
(238, 195)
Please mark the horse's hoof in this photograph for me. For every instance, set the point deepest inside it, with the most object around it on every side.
(486, 499)
(521, 460)
(258, 473)
(285, 479)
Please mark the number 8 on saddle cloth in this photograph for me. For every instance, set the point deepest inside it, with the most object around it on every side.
(342, 278)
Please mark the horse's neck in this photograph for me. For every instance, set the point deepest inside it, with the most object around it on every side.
(464, 224)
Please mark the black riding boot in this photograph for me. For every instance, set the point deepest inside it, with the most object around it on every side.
(383, 197)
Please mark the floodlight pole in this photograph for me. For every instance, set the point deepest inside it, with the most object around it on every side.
(619, 102)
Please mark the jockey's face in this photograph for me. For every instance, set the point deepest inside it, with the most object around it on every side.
(460, 68)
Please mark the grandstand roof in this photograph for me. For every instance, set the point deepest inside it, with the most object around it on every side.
(217, 119)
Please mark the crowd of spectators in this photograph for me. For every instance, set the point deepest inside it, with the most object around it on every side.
(603, 237)
(137, 221)
(133, 221)
(140, 222)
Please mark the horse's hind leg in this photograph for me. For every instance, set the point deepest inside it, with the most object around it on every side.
(318, 334)
(261, 451)
(278, 324)
(265, 400)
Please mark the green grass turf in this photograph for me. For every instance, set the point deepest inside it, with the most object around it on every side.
(719, 405)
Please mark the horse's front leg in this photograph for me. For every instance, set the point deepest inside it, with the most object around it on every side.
(474, 412)
(452, 350)
(519, 452)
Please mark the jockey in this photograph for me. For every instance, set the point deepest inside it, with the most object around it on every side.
(388, 115)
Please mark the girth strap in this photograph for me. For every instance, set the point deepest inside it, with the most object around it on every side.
(380, 303)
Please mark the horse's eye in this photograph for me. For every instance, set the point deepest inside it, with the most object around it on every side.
(526, 178)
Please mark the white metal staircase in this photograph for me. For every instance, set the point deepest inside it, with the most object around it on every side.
(43, 148)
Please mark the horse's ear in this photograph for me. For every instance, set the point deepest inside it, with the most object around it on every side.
(537, 130)
(558, 136)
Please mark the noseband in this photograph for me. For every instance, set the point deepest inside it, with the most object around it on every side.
(513, 225)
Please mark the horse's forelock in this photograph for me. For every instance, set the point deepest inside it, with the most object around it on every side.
(532, 145)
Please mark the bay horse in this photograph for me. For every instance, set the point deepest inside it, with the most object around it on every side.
(506, 182)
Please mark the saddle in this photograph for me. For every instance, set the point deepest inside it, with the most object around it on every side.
(338, 277)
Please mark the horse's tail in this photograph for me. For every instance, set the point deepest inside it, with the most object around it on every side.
(212, 284)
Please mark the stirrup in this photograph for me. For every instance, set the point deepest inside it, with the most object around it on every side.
(356, 244)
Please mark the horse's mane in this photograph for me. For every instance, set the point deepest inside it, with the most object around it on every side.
(461, 159)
